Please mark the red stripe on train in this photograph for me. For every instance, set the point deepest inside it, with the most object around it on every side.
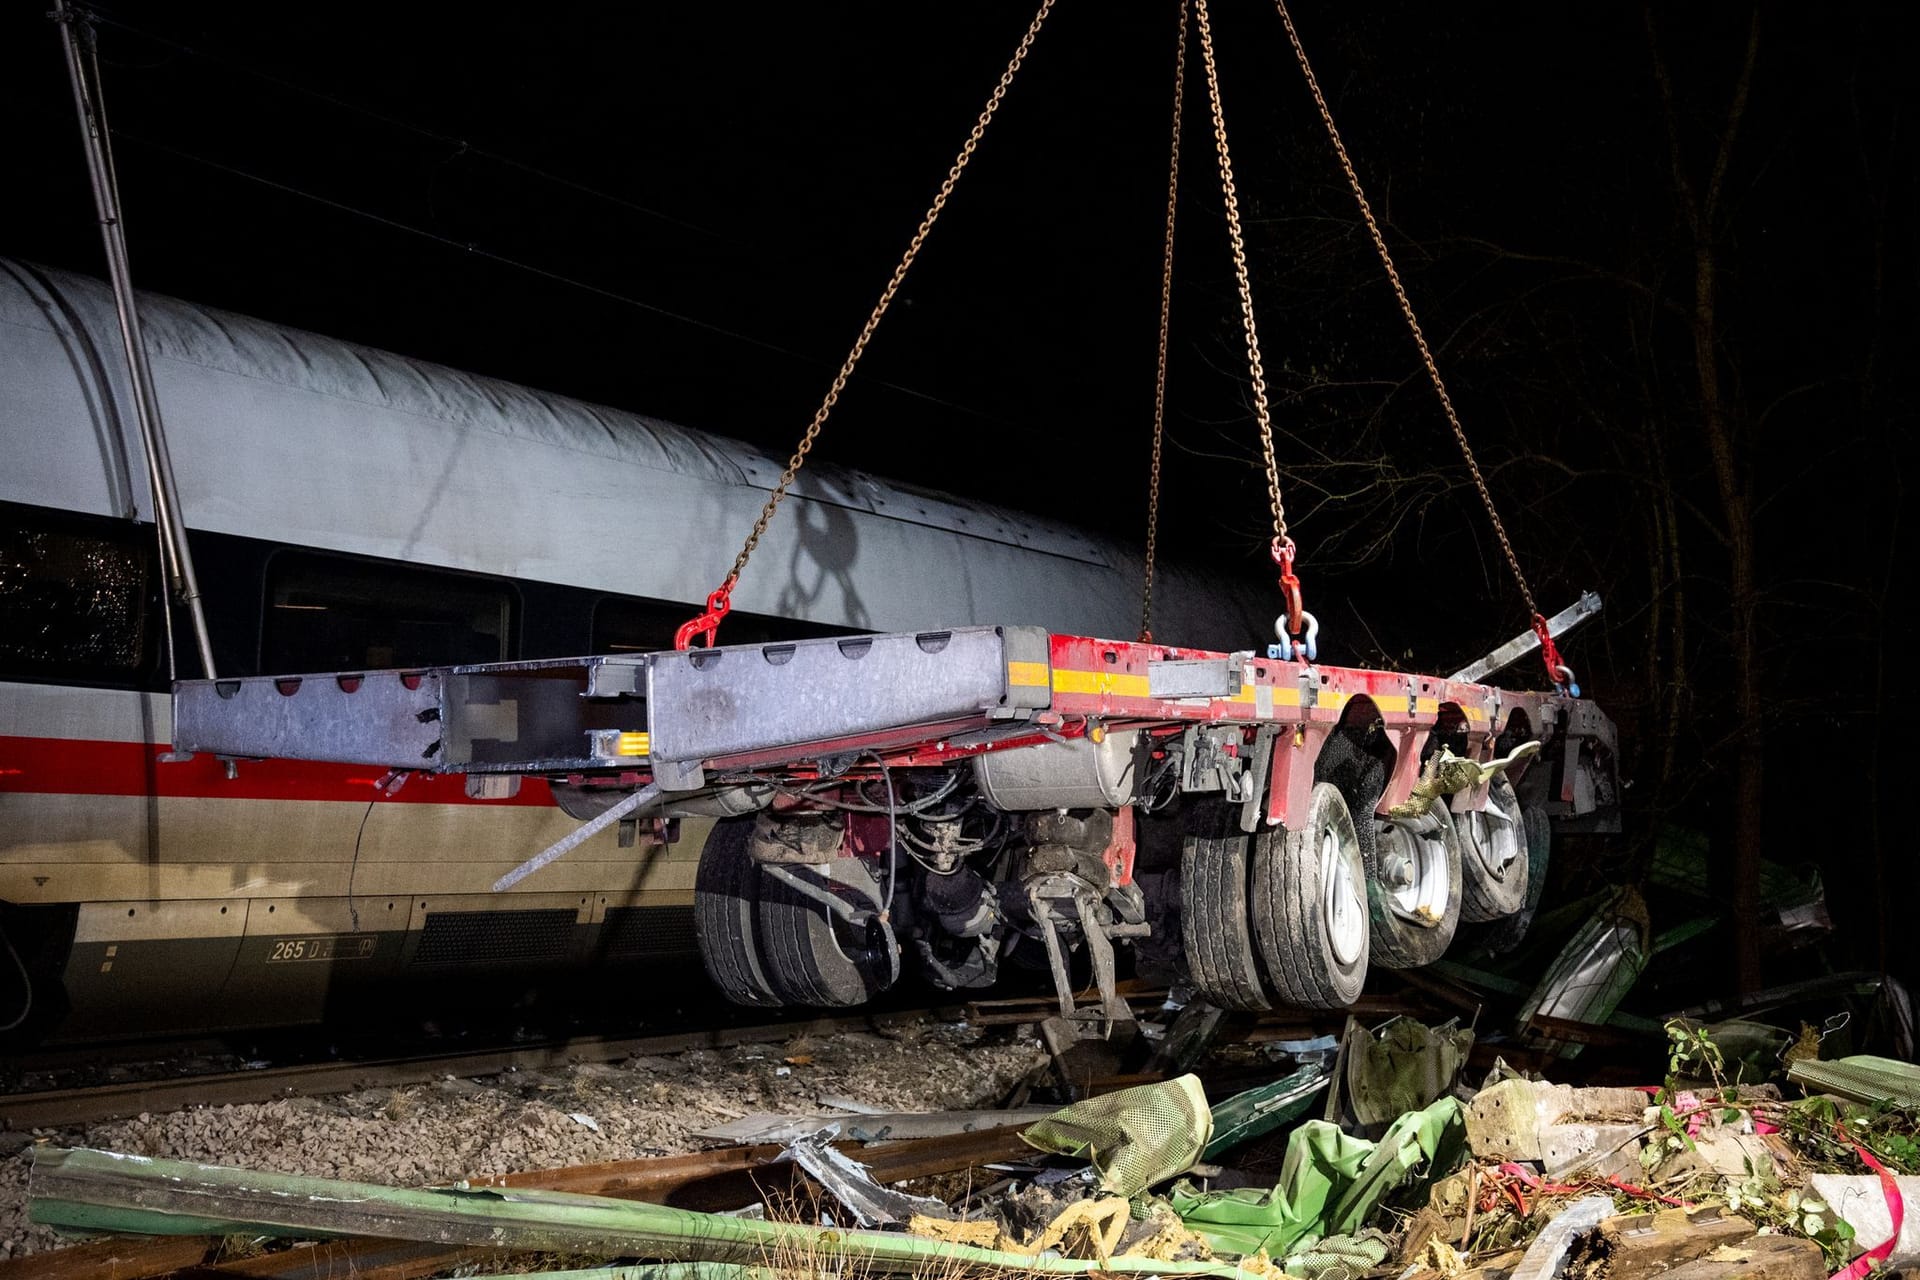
(89, 767)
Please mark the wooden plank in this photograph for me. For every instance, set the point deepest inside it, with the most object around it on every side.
(335, 1259)
(1771, 1257)
(648, 1178)
(1449, 993)
(1267, 1032)
(725, 1178)
(1013, 1012)
(660, 1179)
(1590, 1033)
(924, 1157)
(706, 1181)
(115, 1258)
(1641, 1246)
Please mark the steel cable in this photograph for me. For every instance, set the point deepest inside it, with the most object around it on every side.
(1406, 305)
(1237, 242)
(839, 385)
(1166, 314)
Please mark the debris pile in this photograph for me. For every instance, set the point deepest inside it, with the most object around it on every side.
(1707, 1175)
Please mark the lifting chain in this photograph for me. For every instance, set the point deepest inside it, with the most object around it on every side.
(1166, 312)
(720, 603)
(1556, 669)
(1298, 629)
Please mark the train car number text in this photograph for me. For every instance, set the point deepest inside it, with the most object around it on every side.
(331, 947)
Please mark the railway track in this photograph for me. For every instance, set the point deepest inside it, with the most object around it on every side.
(63, 1108)
(55, 1108)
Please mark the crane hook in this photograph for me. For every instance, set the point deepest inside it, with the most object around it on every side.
(719, 605)
(1299, 631)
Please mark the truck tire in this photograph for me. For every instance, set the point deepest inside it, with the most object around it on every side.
(1414, 913)
(1214, 922)
(726, 892)
(1493, 850)
(1310, 905)
(814, 958)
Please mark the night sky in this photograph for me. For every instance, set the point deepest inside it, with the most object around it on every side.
(704, 200)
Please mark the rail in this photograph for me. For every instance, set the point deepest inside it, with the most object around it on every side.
(59, 1108)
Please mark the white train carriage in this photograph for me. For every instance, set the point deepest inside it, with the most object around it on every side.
(352, 508)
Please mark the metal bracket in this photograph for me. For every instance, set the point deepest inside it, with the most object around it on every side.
(710, 704)
(1208, 766)
(1198, 677)
(1251, 808)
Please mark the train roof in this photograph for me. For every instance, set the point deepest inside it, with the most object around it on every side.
(291, 436)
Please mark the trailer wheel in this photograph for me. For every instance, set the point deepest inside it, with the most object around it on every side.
(1413, 899)
(1493, 849)
(1310, 905)
(815, 958)
(1215, 925)
(726, 891)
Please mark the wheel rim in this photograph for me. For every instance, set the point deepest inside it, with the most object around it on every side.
(1496, 842)
(1344, 910)
(1415, 873)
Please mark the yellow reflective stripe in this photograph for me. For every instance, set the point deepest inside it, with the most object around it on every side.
(1027, 675)
(1474, 713)
(1426, 706)
(1099, 682)
(634, 744)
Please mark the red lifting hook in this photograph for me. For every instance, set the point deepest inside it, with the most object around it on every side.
(1558, 672)
(1283, 551)
(719, 605)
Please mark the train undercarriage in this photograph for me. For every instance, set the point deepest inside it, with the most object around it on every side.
(949, 802)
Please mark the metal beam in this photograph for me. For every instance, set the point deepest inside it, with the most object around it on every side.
(177, 557)
(1527, 642)
(647, 797)
(104, 1191)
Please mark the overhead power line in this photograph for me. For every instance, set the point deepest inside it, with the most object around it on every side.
(544, 273)
(463, 146)
(466, 147)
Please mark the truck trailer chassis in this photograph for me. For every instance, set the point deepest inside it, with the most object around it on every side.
(951, 798)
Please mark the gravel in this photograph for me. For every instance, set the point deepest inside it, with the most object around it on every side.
(435, 1133)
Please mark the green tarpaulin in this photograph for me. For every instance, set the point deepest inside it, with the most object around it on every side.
(1133, 1137)
(1257, 1112)
(1328, 1185)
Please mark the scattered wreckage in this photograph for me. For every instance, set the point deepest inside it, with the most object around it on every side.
(1702, 1178)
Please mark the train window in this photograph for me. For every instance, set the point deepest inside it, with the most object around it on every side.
(622, 624)
(333, 613)
(73, 595)
(630, 624)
